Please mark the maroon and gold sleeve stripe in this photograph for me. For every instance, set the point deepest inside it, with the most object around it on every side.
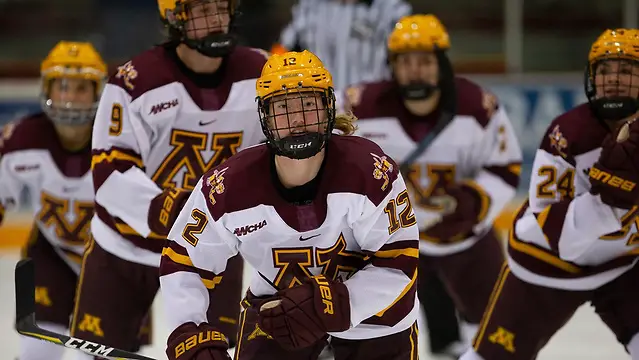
(400, 255)
(551, 221)
(509, 173)
(403, 256)
(175, 258)
(104, 162)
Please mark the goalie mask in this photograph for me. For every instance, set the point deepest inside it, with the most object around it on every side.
(611, 78)
(296, 104)
(423, 34)
(202, 25)
(73, 76)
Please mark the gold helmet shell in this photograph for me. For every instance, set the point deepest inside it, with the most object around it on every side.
(293, 70)
(612, 44)
(167, 7)
(418, 33)
(617, 44)
(72, 60)
(294, 75)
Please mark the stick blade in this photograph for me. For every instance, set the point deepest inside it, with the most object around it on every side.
(25, 288)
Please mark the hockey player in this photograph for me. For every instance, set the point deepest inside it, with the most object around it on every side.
(49, 154)
(165, 118)
(575, 239)
(325, 221)
(460, 179)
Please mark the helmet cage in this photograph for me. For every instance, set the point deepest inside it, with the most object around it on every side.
(612, 107)
(302, 140)
(186, 26)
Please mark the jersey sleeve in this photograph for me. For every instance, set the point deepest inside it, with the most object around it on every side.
(557, 219)
(10, 185)
(387, 231)
(120, 144)
(193, 260)
(498, 163)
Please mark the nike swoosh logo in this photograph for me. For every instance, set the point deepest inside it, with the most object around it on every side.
(202, 123)
(308, 238)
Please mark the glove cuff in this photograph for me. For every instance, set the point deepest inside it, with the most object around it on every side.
(332, 303)
(165, 208)
(481, 199)
(614, 190)
(188, 339)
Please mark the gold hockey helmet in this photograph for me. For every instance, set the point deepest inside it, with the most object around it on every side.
(72, 60)
(617, 44)
(206, 30)
(418, 32)
(301, 80)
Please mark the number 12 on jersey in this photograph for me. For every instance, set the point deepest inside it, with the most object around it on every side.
(406, 216)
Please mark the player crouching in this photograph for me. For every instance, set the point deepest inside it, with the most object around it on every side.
(325, 221)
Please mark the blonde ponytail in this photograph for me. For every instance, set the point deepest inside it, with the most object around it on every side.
(346, 123)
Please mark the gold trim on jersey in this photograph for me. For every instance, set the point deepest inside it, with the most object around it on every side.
(515, 169)
(540, 254)
(186, 261)
(492, 301)
(542, 217)
(401, 295)
(111, 155)
(484, 198)
(414, 341)
(177, 258)
(125, 229)
(389, 254)
(78, 293)
(240, 336)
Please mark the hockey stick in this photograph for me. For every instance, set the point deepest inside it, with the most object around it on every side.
(26, 321)
(444, 120)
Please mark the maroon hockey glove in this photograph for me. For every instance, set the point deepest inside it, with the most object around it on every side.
(202, 342)
(462, 205)
(615, 175)
(165, 208)
(302, 315)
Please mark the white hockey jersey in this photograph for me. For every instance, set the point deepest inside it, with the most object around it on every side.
(478, 146)
(360, 229)
(563, 236)
(161, 126)
(58, 181)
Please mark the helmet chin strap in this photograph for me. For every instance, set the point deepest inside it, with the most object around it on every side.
(614, 108)
(214, 45)
(611, 108)
(301, 146)
(417, 91)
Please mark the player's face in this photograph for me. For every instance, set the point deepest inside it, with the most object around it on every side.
(298, 113)
(207, 17)
(416, 67)
(72, 93)
(614, 78)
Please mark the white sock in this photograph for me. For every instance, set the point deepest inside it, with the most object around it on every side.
(35, 349)
(467, 332)
(633, 347)
(470, 354)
